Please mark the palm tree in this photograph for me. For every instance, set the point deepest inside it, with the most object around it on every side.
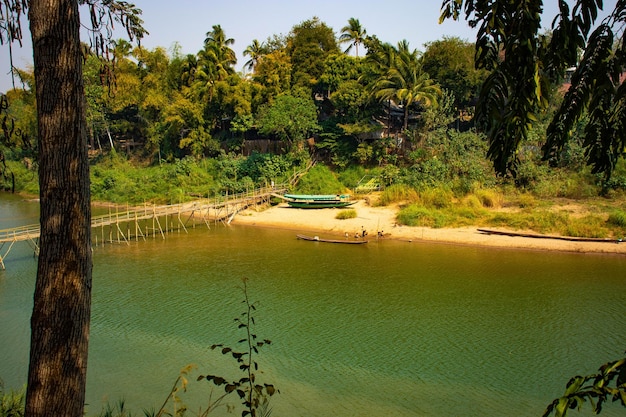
(255, 51)
(189, 69)
(217, 49)
(216, 62)
(121, 49)
(354, 34)
(218, 36)
(206, 74)
(405, 82)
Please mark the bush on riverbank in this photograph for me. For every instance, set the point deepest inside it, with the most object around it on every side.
(346, 214)
(591, 218)
(445, 182)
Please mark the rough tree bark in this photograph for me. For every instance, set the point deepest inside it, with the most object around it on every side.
(62, 299)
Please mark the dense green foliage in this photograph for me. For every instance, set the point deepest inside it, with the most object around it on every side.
(524, 65)
(450, 61)
(164, 106)
(176, 127)
(117, 179)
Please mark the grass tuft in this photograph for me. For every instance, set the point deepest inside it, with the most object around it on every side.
(617, 218)
(397, 193)
(489, 198)
(588, 226)
(346, 214)
(437, 198)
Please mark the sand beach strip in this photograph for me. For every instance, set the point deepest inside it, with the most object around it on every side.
(323, 222)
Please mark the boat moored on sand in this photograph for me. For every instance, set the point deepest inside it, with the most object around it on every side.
(318, 201)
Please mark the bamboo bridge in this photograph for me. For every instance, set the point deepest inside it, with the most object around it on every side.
(139, 223)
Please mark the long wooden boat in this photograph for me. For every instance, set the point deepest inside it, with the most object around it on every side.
(317, 201)
(538, 236)
(318, 239)
(320, 204)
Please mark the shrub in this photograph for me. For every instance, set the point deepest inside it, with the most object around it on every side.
(577, 187)
(588, 226)
(436, 198)
(617, 218)
(25, 179)
(472, 201)
(415, 215)
(320, 180)
(526, 200)
(346, 214)
(12, 403)
(489, 198)
(398, 193)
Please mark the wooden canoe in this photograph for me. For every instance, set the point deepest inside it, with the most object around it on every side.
(538, 236)
(318, 239)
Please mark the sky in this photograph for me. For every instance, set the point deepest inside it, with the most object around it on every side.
(186, 22)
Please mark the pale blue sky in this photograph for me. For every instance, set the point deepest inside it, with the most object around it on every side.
(188, 21)
(245, 20)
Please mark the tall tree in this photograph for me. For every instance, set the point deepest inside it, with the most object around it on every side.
(274, 73)
(337, 69)
(404, 81)
(450, 62)
(353, 34)
(290, 118)
(255, 51)
(61, 311)
(308, 45)
(217, 50)
(524, 63)
(215, 62)
(189, 68)
(62, 299)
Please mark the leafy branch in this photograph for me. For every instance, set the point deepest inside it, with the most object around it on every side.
(254, 396)
(524, 65)
(595, 388)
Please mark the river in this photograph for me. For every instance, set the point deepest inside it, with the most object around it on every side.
(384, 329)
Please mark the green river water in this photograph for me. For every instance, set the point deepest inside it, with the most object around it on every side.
(384, 329)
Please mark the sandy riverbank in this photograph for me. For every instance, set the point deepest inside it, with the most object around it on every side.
(323, 223)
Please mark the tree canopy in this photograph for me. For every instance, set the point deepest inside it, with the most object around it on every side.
(525, 63)
(450, 61)
(290, 118)
(308, 45)
(170, 106)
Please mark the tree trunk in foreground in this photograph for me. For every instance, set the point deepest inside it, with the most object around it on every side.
(61, 312)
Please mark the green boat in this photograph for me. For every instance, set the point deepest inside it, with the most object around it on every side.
(313, 201)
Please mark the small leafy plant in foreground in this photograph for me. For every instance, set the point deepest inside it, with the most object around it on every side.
(608, 384)
(254, 396)
(11, 403)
